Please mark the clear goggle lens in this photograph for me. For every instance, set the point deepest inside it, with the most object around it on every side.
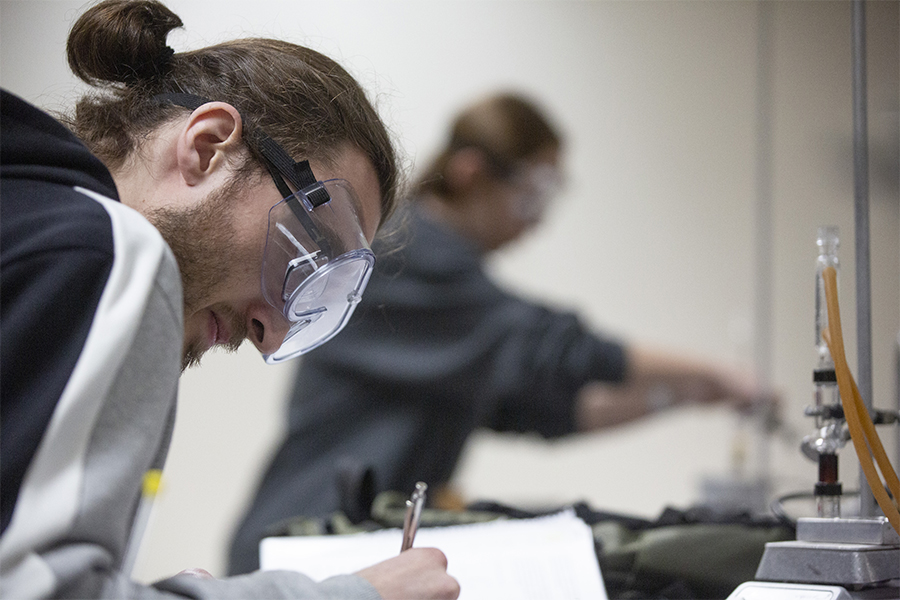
(537, 185)
(315, 267)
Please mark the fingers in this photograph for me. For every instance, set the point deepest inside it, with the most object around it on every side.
(434, 556)
(745, 392)
(415, 573)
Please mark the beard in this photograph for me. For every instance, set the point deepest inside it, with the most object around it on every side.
(202, 239)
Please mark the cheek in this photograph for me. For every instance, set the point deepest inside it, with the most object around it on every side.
(244, 270)
(250, 263)
(245, 256)
(232, 267)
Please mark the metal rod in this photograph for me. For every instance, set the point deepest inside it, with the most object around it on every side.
(897, 385)
(861, 220)
(763, 230)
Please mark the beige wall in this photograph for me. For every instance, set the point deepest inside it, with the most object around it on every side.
(654, 238)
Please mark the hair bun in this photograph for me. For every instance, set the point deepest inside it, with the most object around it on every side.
(122, 41)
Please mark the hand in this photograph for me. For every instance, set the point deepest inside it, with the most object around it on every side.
(686, 379)
(416, 573)
(744, 392)
(658, 379)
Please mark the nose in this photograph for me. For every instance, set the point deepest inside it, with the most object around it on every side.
(266, 328)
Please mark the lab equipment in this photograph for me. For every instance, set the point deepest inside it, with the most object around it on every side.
(831, 434)
(862, 554)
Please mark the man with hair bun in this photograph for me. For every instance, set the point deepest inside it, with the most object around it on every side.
(186, 205)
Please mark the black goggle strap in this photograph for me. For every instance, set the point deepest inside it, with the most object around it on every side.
(280, 166)
(298, 209)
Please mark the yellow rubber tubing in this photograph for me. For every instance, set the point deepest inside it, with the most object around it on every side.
(868, 427)
(862, 430)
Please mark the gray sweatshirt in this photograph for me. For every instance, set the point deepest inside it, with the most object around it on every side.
(91, 357)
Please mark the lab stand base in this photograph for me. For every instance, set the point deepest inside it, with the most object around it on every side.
(832, 559)
(856, 565)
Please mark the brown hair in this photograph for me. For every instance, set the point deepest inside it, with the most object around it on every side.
(302, 99)
(506, 126)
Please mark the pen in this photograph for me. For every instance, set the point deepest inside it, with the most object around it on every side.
(413, 512)
(149, 490)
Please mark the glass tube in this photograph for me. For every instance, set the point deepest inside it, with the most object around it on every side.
(829, 418)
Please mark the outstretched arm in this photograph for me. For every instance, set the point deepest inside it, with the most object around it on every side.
(657, 380)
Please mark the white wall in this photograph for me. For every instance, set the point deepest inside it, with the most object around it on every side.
(653, 239)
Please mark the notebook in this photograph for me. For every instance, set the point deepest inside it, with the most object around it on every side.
(544, 558)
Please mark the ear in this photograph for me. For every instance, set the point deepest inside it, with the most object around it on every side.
(464, 168)
(210, 137)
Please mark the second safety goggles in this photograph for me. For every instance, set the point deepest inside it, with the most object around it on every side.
(536, 186)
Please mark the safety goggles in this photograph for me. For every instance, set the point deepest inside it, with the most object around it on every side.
(536, 187)
(535, 183)
(315, 265)
(317, 260)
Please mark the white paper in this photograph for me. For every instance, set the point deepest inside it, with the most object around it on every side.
(546, 558)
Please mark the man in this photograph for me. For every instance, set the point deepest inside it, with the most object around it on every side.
(123, 262)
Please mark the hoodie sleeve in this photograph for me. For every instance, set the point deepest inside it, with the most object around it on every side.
(91, 357)
(266, 584)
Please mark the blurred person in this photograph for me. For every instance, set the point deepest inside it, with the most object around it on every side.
(437, 349)
(170, 217)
